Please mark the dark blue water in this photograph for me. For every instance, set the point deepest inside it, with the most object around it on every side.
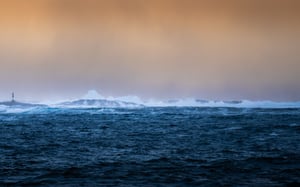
(150, 147)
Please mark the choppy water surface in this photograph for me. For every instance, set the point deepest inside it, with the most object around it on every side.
(150, 147)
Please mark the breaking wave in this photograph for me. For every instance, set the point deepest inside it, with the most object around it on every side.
(237, 104)
(185, 102)
(94, 100)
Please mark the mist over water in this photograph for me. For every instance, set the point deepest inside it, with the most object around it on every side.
(180, 102)
(187, 102)
(92, 99)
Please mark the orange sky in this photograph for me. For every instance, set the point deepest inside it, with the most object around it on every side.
(211, 49)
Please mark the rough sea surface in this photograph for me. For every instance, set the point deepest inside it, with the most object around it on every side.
(151, 146)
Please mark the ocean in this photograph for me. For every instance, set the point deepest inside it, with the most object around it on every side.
(150, 146)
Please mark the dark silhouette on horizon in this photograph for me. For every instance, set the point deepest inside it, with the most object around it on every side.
(14, 103)
(13, 97)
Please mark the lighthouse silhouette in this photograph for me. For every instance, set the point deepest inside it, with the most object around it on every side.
(12, 97)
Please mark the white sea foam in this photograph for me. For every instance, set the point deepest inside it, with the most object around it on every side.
(188, 102)
(92, 94)
(100, 101)
(14, 110)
